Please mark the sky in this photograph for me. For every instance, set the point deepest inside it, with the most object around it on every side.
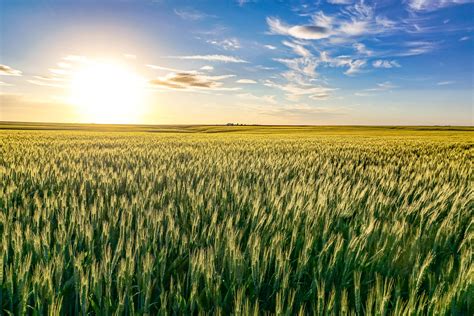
(251, 62)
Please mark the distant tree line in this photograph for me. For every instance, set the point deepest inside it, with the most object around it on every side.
(240, 124)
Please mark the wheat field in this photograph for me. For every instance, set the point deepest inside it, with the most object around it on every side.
(243, 221)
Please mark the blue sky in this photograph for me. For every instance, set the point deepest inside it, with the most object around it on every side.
(266, 62)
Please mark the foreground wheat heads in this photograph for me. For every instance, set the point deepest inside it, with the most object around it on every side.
(151, 223)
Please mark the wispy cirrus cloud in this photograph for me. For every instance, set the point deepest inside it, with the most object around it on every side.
(379, 63)
(355, 66)
(219, 58)
(189, 80)
(362, 49)
(270, 47)
(432, 5)
(9, 71)
(246, 81)
(352, 21)
(298, 49)
(308, 32)
(445, 83)
(321, 19)
(383, 86)
(243, 2)
(354, 28)
(255, 98)
(191, 14)
(301, 66)
(413, 48)
(379, 87)
(340, 31)
(226, 44)
(295, 91)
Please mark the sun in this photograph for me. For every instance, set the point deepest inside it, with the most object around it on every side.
(107, 92)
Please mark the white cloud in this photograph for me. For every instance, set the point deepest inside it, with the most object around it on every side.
(276, 26)
(308, 32)
(417, 48)
(418, 4)
(383, 86)
(9, 71)
(352, 21)
(303, 66)
(431, 5)
(444, 83)
(243, 2)
(354, 28)
(191, 14)
(355, 66)
(361, 11)
(464, 38)
(251, 97)
(222, 58)
(362, 49)
(298, 49)
(386, 85)
(246, 81)
(385, 64)
(319, 96)
(191, 80)
(323, 20)
(271, 47)
(48, 78)
(385, 22)
(299, 90)
(207, 68)
(261, 67)
(227, 44)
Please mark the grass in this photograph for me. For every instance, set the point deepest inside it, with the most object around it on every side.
(236, 220)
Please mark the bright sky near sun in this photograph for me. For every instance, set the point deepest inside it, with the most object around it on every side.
(213, 62)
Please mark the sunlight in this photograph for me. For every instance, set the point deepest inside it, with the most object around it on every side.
(106, 92)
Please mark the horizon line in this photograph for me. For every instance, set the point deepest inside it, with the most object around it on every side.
(236, 124)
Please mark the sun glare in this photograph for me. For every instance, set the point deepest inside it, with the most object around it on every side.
(107, 92)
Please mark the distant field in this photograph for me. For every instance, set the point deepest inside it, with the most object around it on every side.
(251, 129)
(118, 219)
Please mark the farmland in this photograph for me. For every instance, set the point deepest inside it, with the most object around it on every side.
(236, 220)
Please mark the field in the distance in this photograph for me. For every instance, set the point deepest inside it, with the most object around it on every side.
(98, 219)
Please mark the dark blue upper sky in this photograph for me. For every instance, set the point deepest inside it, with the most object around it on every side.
(296, 62)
